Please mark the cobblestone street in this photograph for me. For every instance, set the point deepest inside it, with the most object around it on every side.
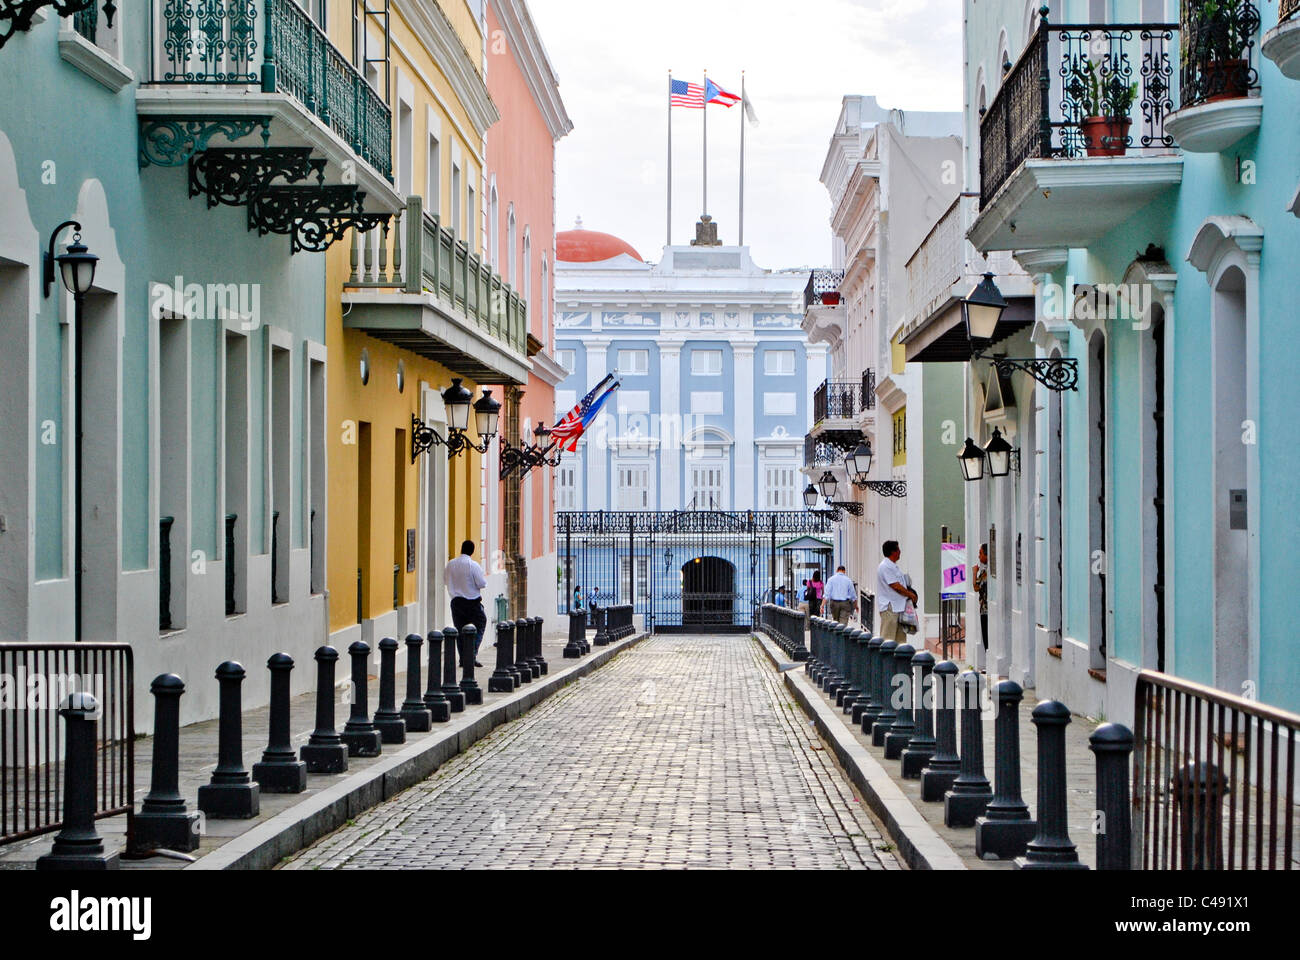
(682, 752)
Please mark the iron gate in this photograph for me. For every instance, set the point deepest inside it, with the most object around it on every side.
(683, 570)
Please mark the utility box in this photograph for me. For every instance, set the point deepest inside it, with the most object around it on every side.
(1237, 510)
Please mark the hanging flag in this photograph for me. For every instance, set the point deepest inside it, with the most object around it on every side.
(750, 115)
(683, 94)
(569, 430)
(715, 94)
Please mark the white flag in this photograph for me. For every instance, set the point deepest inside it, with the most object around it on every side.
(750, 115)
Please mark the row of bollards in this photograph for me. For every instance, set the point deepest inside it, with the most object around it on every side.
(910, 706)
(786, 629)
(613, 624)
(164, 821)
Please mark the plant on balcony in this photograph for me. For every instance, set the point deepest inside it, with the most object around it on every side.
(1105, 105)
(1217, 37)
(831, 298)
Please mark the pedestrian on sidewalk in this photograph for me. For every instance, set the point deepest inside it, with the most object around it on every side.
(981, 578)
(842, 594)
(577, 598)
(465, 582)
(779, 599)
(802, 597)
(892, 593)
(815, 589)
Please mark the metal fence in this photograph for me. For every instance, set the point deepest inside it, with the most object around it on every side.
(685, 570)
(1214, 779)
(38, 677)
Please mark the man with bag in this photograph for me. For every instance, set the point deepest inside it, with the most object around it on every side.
(893, 594)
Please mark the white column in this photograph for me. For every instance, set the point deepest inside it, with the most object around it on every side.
(670, 426)
(744, 401)
(816, 370)
(597, 438)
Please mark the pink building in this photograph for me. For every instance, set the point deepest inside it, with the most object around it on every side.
(520, 244)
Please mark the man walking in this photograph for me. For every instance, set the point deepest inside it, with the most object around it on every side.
(465, 582)
(842, 594)
(892, 593)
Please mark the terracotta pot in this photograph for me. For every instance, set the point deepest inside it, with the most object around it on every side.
(831, 299)
(1229, 77)
(1106, 136)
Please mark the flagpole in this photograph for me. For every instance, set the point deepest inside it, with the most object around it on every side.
(742, 158)
(706, 143)
(670, 158)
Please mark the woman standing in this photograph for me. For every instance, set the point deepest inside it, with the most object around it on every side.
(815, 591)
(981, 578)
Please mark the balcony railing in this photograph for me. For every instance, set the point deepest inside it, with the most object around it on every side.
(86, 22)
(938, 263)
(822, 282)
(1287, 9)
(1080, 90)
(434, 260)
(819, 454)
(275, 44)
(844, 399)
(1218, 50)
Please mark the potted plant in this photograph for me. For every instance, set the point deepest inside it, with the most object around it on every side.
(831, 298)
(1105, 104)
(1221, 34)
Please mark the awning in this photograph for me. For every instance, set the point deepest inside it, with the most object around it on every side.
(807, 543)
(944, 340)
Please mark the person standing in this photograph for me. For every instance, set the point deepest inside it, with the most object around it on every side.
(892, 593)
(815, 589)
(779, 599)
(577, 598)
(981, 577)
(466, 582)
(802, 597)
(842, 594)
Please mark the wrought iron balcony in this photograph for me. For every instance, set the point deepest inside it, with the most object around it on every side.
(1080, 90)
(820, 454)
(1218, 49)
(275, 45)
(844, 399)
(1286, 9)
(820, 283)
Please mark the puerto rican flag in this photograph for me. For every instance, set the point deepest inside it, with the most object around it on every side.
(715, 94)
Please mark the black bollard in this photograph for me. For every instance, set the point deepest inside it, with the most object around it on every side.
(921, 747)
(577, 631)
(602, 626)
(1112, 745)
(502, 680)
(854, 639)
(388, 721)
(437, 702)
(833, 682)
(523, 650)
(1051, 848)
(163, 822)
(280, 770)
(325, 751)
(938, 776)
(970, 792)
(360, 735)
(540, 666)
(231, 794)
(904, 691)
(450, 686)
(885, 692)
(1199, 789)
(468, 685)
(78, 845)
(1006, 827)
(418, 717)
(813, 663)
(866, 708)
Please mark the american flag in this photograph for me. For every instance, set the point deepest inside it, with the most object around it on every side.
(567, 432)
(683, 94)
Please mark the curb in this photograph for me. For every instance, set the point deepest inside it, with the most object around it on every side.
(918, 843)
(296, 828)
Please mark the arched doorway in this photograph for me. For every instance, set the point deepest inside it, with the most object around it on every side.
(708, 593)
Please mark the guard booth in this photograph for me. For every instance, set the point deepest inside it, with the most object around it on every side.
(696, 571)
(800, 559)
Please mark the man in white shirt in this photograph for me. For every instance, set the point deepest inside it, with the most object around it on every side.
(892, 593)
(465, 583)
(842, 595)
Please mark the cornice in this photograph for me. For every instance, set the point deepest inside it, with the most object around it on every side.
(530, 55)
(440, 39)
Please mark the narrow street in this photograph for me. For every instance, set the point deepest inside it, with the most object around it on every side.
(685, 751)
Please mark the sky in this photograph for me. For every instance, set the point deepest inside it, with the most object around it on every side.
(800, 57)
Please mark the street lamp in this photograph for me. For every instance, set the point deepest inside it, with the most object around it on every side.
(834, 507)
(457, 401)
(999, 454)
(972, 461)
(810, 497)
(859, 464)
(486, 414)
(828, 485)
(981, 312)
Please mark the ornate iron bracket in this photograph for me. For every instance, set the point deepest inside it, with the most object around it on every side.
(17, 15)
(528, 457)
(837, 509)
(885, 488)
(172, 141)
(1057, 374)
(313, 217)
(238, 175)
(424, 438)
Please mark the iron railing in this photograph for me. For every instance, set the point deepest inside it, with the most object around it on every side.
(1214, 779)
(1079, 90)
(937, 264)
(1286, 9)
(1218, 50)
(844, 399)
(817, 453)
(820, 283)
(32, 734)
(86, 22)
(276, 44)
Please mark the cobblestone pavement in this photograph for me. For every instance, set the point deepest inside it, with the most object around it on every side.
(682, 752)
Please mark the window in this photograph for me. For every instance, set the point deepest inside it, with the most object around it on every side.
(433, 185)
(632, 486)
(780, 404)
(471, 218)
(565, 400)
(634, 363)
(778, 363)
(568, 359)
(546, 303)
(457, 227)
(900, 438)
(512, 247)
(566, 487)
(405, 148)
(528, 269)
(642, 579)
(707, 486)
(779, 483)
(494, 226)
(706, 363)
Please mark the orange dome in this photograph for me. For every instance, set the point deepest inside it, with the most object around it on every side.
(590, 246)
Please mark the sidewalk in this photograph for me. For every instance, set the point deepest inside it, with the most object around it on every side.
(1079, 773)
(287, 822)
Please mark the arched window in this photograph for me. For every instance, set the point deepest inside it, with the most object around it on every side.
(528, 269)
(494, 225)
(544, 304)
(1098, 562)
(512, 250)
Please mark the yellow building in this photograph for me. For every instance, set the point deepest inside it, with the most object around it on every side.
(410, 307)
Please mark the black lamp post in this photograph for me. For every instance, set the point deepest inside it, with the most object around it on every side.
(972, 459)
(859, 465)
(825, 489)
(458, 401)
(999, 454)
(76, 268)
(528, 456)
(981, 312)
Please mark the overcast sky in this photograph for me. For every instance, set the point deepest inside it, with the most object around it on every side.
(800, 59)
